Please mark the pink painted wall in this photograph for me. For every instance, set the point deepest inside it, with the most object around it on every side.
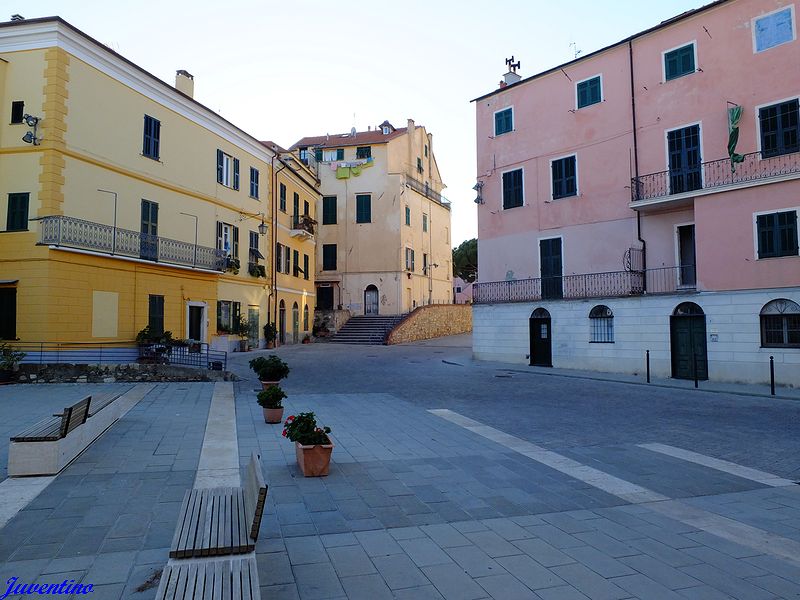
(465, 295)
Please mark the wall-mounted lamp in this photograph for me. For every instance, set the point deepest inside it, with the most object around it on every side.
(262, 228)
(30, 137)
(478, 187)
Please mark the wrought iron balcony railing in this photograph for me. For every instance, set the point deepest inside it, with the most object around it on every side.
(612, 284)
(304, 223)
(427, 191)
(714, 174)
(70, 232)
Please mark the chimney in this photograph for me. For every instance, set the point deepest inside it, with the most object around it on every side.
(17, 18)
(184, 82)
(411, 126)
(511, 77)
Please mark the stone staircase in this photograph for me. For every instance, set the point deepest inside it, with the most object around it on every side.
(367, 330)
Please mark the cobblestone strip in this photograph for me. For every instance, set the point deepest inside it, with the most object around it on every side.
(719, 465)
(219, 458)
(630, 492)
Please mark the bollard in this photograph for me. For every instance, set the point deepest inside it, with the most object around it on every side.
(772, 375)
(647, 355)
(694, 368)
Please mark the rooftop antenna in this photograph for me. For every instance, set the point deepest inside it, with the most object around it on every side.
(512, 66)
(575, 50)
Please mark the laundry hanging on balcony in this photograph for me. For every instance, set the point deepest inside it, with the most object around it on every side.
(345, 169)
(734, 114)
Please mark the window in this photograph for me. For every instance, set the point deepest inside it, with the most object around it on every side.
(408, 215)
(679, 62)
(17, 111)
(503, 121)
(296, 256)
(773, 29)
(254, 253)
(565, 179)
(155, 315)
(305, 208)
(303, 155)
(426, 150)
(419, 165)
(17, 219)
(333, 154)
(329, 210)
(780, 128)
(228, 314)
(364, 152)
(601, 320)
(363, 208)
(512, 189)
(152, 137)
(283, 197)
(683, 146)
(279, 258)
(228, 239)
(386, 130)
(589, 92)
(409, 259)
(424, 264)
(777, 234)
(287, 255)
(780, 324)
(8, 313)
(424, 222)
(328, 257)
(305, 316)
(227, 170)
(296, 204)
(253, 182)
(305, 267)
(458, 289)
(318, 154)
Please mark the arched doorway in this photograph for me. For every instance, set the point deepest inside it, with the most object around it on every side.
(541, 339)
(371, 300)
(687, 339)
(282, 322)
(295, 323)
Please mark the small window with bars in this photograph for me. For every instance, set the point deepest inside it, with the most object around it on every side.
(601, 322)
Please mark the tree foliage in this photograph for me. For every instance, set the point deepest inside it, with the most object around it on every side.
(465, 260)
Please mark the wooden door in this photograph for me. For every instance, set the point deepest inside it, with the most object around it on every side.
(148, 245)
(541, 339)
(688, 346)
(551, 268)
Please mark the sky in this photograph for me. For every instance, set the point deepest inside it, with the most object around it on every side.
(285, 70)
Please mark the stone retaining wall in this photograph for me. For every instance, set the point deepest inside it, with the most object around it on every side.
(63, 373)
(432, 321)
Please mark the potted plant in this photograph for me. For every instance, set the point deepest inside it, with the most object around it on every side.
(9, 359)
(307, 339)
(270, 333)
(270, 401)
(270, 370)
(312, 445)
(243, 331)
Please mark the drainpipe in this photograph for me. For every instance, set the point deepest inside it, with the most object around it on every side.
(636, 169)
(273, 296)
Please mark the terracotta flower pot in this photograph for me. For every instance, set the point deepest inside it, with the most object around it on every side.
(314, 461)
(265, 385)
(273, 415)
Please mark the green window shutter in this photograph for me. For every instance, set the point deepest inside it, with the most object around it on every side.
(296, 258)
(219, 236)
(318, 154)
(340, 154)
(236, 173)
(305, 268)
(148, 135)
(766, 235)
(219, 313)
(17, 217)
(220, 160)
(235, 242)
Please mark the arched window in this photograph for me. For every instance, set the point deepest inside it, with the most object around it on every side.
(305, 317)
(687, 309)
(780, 324)
(540, 313)
(601, 320)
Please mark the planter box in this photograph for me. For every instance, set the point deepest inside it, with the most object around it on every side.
(314, 461)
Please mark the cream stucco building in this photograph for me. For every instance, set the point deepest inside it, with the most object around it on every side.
(383, 242)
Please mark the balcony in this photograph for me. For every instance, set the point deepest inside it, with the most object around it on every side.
(612, 284)
(302, 227)
(69, 232)
(427, 191)
(673, 188)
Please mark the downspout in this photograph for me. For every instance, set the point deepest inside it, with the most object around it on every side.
(636, 170)
(273, 297)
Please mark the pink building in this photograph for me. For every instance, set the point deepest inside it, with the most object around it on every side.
(462, 291)
(613, 219)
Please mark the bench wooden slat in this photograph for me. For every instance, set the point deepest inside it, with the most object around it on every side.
(255, 494)
(75, 415)
(236, 579)
(242, 535)
(226, 579)
(246, 593)
(217, 595)
(182, 517)
(56, 427)
(231, 579)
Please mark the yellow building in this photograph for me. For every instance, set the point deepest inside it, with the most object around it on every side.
(128, 203)
(383, 243)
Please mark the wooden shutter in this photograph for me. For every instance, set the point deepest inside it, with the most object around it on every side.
(17, 218)
(219, 313)
(148, 135)
(236, 173)
(236, 313)
(235, 253)
(305, 266)
(340, 154)
(219, 236)
(766, 235)
(278, 258)
(296, 258)
(220, 160)
(156, 141)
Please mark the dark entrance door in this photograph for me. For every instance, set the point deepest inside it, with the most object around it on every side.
(325, 298)
(282, 323)
(8, 313)
(371, 300)
(196, 323)
(688, 342)
(541, 339)
(551, 265)
(684, 159)
(148, 245)
(686, 255)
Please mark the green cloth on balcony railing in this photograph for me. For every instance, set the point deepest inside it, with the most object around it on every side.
(734, 114)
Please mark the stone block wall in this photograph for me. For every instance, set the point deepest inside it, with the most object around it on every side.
(432, 321)
(68, 373)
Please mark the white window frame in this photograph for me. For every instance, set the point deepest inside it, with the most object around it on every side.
(577, 178)
(227, 170)
(203, 321)
(410, 255)
(513, 120)
(677, 242)
(227, 238)
(664, 61)
(777, 10)
(758, 120)
(520, 168)
(602, 91)
(755, 230)
(330, 154)
(702, 149)
(424, 223)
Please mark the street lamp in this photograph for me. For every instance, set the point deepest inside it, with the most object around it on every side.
(114, 231)
(194, 264)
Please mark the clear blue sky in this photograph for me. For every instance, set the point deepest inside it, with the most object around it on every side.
(284, 70)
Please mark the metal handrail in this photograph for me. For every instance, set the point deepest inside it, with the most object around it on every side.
(427, 191)
(303, 222)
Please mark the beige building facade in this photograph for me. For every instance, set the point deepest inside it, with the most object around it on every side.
(383, 236)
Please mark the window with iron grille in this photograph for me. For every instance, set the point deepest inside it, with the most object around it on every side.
(329, 210)
(565, 177)
(503, 121)
(363, 208)
(780, 128)
(589, 92)
(777, 234)
(155, 314)
(152, 137)
(329, 257)
(780, 324)
(512, 189)
(679, 62)
(601, 322)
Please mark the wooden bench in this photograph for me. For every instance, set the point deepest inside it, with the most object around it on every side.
(58, 426)
(221, 521)
(230, 579)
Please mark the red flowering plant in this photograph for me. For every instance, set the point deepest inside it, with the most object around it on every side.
(303, 428)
